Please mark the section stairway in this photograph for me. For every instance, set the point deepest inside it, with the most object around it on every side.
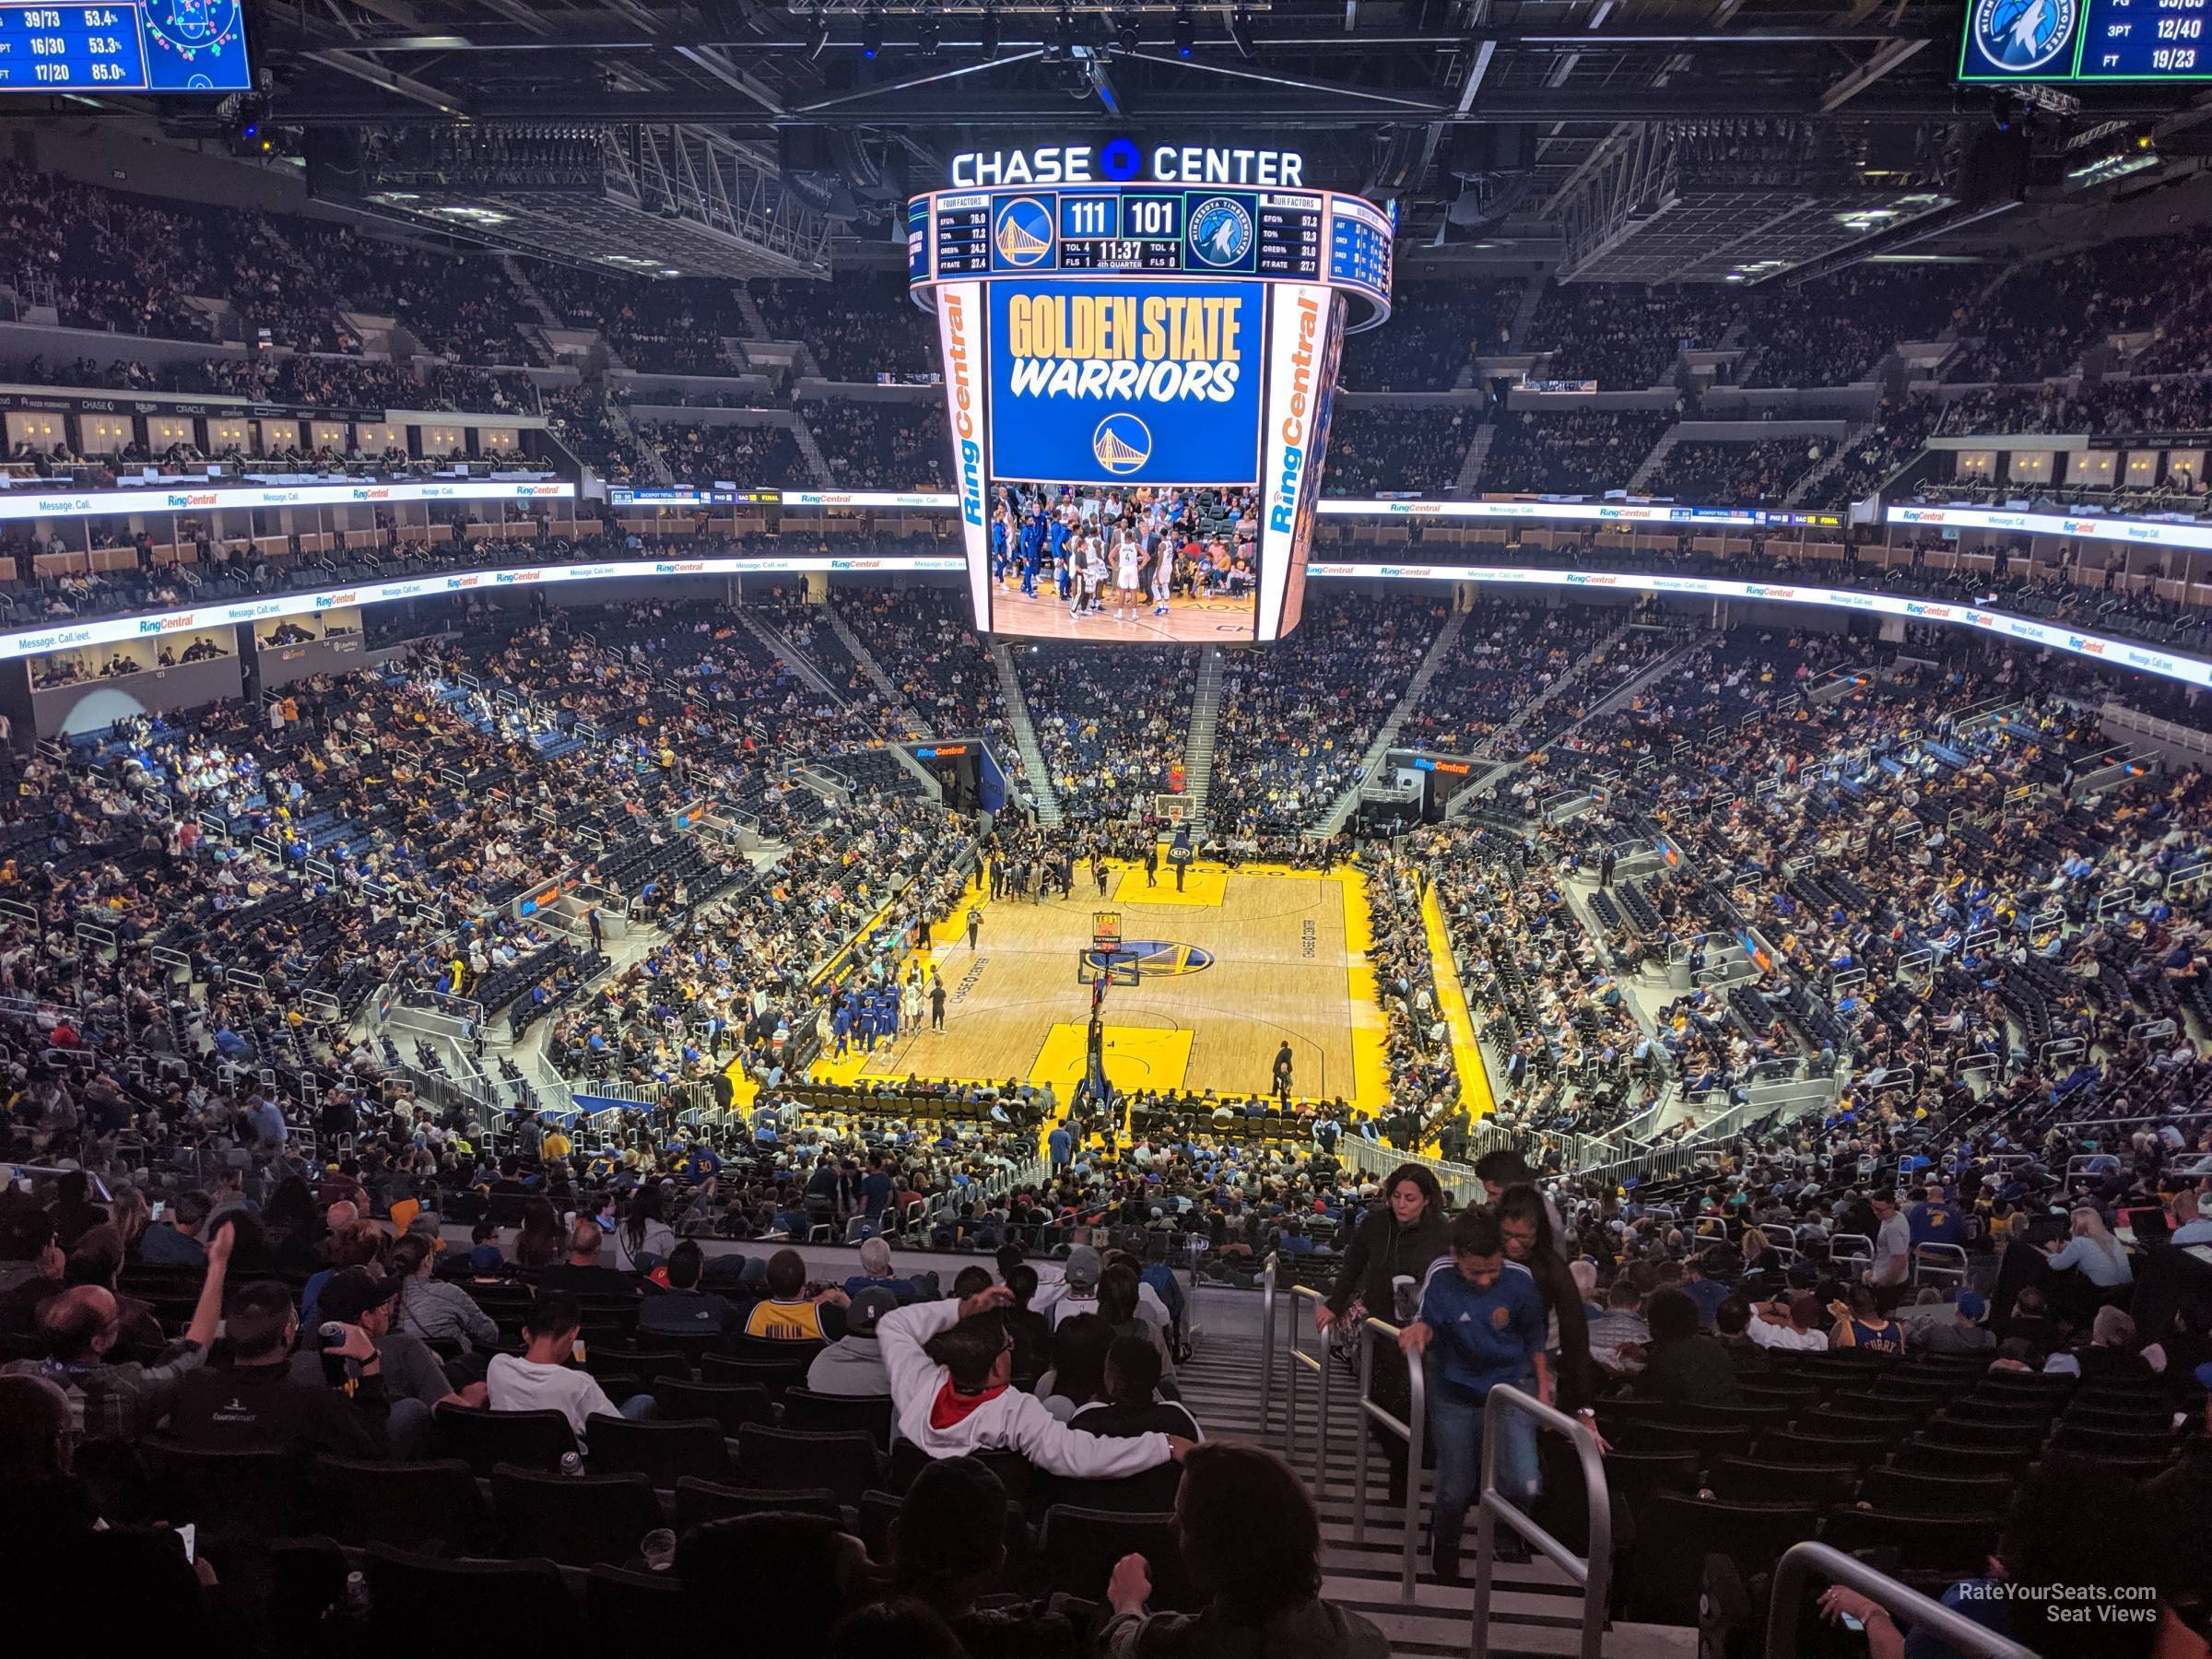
(1025, 736)
(1206, 725)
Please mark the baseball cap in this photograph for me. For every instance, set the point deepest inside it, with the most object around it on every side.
(353, 1291)
(1974, 1305)
(1083, 1267)
(485, 1258)
(867, 1311)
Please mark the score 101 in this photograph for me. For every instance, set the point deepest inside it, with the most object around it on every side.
(1132, 214)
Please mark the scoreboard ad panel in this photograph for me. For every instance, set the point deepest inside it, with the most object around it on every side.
(1140, 352)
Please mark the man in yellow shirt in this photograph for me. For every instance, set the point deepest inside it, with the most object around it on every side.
(788, 1314)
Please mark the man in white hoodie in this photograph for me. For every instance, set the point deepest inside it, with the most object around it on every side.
(951, 1368)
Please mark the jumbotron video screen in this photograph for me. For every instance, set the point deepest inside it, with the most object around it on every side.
(1140, 348)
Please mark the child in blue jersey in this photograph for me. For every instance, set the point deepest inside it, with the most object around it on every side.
(1482, 1323)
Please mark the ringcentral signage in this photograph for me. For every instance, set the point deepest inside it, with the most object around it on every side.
(1122, 161)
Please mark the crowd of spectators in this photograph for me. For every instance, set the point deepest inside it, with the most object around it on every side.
(871, 444)
(670, 325)
(862, 325)
(1877, 452)
(1375, 448)
(1625, 336)
(1297, 717)
(1733, 474)
(923, 640)
(728, 453)
(1111, 721)
(1584, 452)
(1840, 329)
(1437, 329)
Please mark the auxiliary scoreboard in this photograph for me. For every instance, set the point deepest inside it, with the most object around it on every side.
(124, 46)
(1170, 334)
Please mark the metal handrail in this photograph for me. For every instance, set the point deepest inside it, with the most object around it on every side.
(1412, 1431)
(1594, 1574)
(1267, 1341)
(1295, 1351)
(1784, 1610)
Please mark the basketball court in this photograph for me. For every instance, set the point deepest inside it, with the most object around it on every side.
(1203, 987)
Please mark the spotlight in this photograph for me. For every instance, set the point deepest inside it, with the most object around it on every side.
(871, 33)
(928, 36)
(1128, 36)
(1186, 33)
(1240, 31)
(988, 41)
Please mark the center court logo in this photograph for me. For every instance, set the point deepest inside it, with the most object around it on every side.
(1155, 958)
(1023, 234)
(1121, 444)
(1220, 232)
(2018, 36)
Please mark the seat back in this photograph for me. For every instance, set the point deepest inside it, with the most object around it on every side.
(643, 1612)
(434, 1508)
(1788, 1445)
(1080, 1547)
(578, 1521)
(256, 1492)
(480, 1606)
(1924, 1543)
(774, 1376)
(700, 1502)
(1924, 1492)
(662, 1452)
(484, 1438)
(834, 1414)
(846, 1462)
(732, 1404)
(1753, 1480)
(1677, 1531)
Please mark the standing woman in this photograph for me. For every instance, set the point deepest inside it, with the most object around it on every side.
(1398, 1238)
(643, 1240)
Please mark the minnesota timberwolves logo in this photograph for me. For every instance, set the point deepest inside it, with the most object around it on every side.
(1023, 234)
(2021, 36)
(1155, 958)
(1220, 232)
(1123, 443)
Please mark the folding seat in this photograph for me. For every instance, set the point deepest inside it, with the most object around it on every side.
(700, 1502)
(1749, 1480)
(474, 1606)
(577, 1520)
(1665, 1569)
(2102, 1442)
(1931, 1542)
(1635, 1476)
(1800, 1446)
(775, 1376)
(430, 1508)
(1939, 1457)
(828, 1414)
(770, 1459)
(1678, 1437)
(1948, 1430)
(260, 1493)
(484, 1438)
(1078, 1549)
(644, 1612)
(662, 1452)
(732, 1404)
(780, 1351)
(1929, 1492)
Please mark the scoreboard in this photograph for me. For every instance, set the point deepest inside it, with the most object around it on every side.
(124, 46)
(1122, 334)
(2086, 41)
(1273, 235)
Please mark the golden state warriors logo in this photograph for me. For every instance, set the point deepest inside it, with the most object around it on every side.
(1023, 233)
(1123, 443)
(1153, 958)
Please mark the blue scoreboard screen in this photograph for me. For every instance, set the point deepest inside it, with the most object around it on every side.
(183, 46)
(2084, 41)
(1139, 376)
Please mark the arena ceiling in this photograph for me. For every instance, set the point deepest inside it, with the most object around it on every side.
(1643, 139)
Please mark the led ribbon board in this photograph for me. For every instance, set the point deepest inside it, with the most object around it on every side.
(1124, 335)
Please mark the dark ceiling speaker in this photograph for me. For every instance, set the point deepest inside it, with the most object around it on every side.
(803, 150)
(334, 163)
(1508, 148)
